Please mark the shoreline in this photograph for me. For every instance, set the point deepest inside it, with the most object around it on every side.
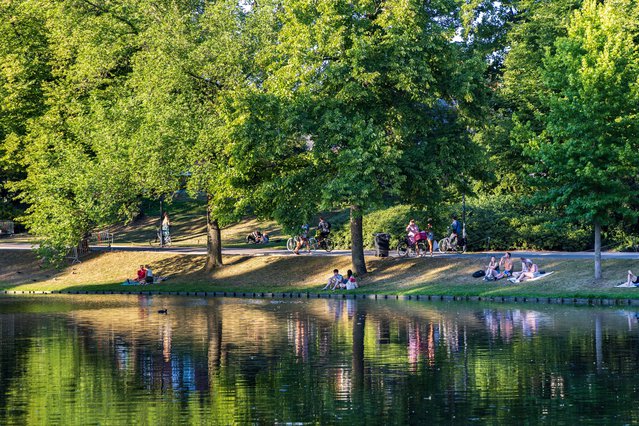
(342, 296)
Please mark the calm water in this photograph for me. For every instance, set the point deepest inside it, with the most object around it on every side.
(115, 360)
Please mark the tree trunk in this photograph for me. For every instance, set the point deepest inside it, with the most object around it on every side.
(213, 243)
(357, 241)
(359, 323)
(597, 251)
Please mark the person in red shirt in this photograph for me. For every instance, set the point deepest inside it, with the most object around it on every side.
(141, 274)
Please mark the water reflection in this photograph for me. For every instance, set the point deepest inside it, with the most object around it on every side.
(72, 359)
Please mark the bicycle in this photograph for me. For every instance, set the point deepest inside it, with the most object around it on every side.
(313, 243)
(408, 247)
(158, 239)
(459, 246)
(324, 243)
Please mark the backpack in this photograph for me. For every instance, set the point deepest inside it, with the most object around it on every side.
(478, 274)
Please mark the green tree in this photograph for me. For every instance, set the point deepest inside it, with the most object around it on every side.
(25, 70)
(587, 149)
(77, 160)
(358, 104)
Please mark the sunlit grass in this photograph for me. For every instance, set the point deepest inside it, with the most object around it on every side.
(20, 270)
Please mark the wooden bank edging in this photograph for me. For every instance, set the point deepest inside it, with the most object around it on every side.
(299, 295)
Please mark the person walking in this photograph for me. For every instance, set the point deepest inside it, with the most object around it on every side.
(166, 224)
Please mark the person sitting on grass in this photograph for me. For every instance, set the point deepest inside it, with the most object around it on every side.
(492, 270)
(350, 281)
(335, 280)
(506, 265)
(532, 271)
(631, 281)
(254, 237)
(149, 275)
(141, 277)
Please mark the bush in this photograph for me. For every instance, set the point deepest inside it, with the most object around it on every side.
(492, 222)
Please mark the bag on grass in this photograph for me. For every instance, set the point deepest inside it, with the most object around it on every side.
(478, 274)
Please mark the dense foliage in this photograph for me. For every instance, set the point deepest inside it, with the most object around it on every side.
(385, 108)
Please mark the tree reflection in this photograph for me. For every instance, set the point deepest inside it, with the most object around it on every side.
(320, 361)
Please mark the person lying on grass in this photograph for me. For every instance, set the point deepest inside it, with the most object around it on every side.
(532, 271)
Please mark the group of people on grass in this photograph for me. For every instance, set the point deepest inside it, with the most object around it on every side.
(257, 237)
(144, 276)
(337, 281)
(504, 269)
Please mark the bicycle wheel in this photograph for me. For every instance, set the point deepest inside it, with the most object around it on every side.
(291, 244)
(328, 245)
(402, 249)
(312, 244)
(423, 247)
(444, 245)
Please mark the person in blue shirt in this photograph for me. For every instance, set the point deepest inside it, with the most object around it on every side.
(303, 240)
(456, 231)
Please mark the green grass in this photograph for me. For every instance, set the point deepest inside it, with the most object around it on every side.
(425, 276)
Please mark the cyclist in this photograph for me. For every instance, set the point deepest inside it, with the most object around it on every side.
(412, 231)
(457, 230)
(303, 239)
(324, 229)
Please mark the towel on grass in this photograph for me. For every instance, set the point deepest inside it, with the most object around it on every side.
(625, 284)
(514, 280)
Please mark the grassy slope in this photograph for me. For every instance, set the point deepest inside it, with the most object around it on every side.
(435, 276)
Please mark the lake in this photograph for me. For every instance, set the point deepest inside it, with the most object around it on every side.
(115, 360)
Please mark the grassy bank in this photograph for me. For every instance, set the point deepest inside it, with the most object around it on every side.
(424, 276)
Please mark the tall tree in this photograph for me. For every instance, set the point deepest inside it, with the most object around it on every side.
(587, 149)
(25, 70)
(78, 175)
(349, 109)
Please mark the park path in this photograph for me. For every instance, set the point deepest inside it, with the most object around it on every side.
(199, 251)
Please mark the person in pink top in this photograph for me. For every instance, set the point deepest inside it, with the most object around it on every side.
(413, 230)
